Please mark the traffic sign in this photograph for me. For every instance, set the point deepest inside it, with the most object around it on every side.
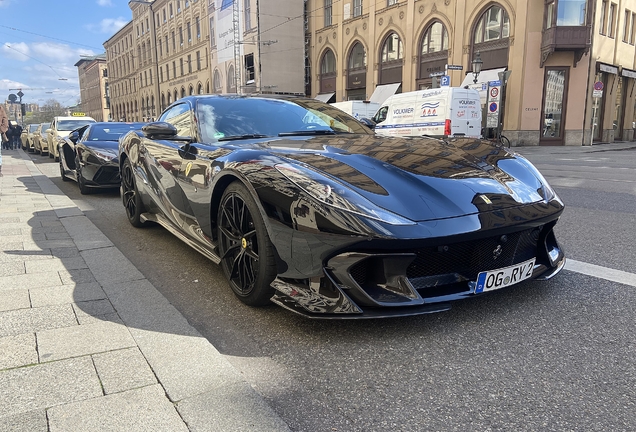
(494, 91)
(454, 67)
(445, 81)
(597, 93)
(598, 85)
(493, 107)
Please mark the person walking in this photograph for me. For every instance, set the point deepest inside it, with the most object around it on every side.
(10, 135)
(17, 131)
(4, 126)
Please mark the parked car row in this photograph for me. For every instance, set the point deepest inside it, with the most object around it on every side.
(306, 207)
(43, 138)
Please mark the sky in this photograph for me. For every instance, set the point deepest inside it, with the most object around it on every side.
(41, 40)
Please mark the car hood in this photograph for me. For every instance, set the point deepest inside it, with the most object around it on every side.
(420, 178)
(109, 148)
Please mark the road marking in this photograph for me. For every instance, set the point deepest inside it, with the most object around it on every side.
(606, 273)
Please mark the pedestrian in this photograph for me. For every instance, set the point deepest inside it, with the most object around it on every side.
(17, 133)
(4, 125)
(10, 132)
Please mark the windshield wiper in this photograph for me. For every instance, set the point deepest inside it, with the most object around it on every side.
(240, 137)
(308, 132)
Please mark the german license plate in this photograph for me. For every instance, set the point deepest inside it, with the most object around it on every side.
(503, 277)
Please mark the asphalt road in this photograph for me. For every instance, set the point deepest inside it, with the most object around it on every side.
(555, 355)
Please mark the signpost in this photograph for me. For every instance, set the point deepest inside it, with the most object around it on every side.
(493, 102)
(445, 81)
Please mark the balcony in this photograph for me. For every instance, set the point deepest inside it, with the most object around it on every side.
(567, 27)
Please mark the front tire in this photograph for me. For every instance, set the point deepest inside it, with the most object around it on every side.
(130, 196)
(84, 190)
(64, 178)
(247, 256)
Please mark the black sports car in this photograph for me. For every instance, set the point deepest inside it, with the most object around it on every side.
(89, 155)
(305, 207)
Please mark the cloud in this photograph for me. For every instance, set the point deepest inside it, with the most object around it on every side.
(4, 3)
(6, 84)
(104, 2)
(17, 51)
(112, 25)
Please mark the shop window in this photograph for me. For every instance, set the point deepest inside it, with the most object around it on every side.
(555, 89)
(358, 57)
(328, 64)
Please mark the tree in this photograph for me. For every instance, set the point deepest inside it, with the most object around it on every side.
(50, 109)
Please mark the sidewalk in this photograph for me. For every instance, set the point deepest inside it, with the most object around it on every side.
(86, 342)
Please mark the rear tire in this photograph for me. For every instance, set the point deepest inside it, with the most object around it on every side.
(130, 196)
(247, 256)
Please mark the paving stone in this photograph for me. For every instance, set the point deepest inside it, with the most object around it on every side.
(12, 245)
(68, 212)
(94, 308)
(64, 294)
(82, 340)
(11, 268)
(140, 410)
(45, 385)
(44, 230)
(15, 322)
(47, 244)
(33, 280)
(32, 421)
(56, 264)
(166, 339)
(68, 252)
(18, 351)
(10, 231)
(14, 299)
(123, 370)
(92, 319)
(57, 236)
(109, 265)
(79, 276)
(84, 233)
(25, 255)
(225, 409)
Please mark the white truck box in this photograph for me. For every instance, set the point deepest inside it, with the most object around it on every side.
(440, 112)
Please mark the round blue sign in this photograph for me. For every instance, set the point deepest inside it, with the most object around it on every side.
(493, 107)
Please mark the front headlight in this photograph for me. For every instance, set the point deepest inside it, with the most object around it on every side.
(332, 193)
(104, 156)
(548, 193)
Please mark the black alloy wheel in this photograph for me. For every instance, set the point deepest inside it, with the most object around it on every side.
(81, 182)
(246, 251)
(130, 196)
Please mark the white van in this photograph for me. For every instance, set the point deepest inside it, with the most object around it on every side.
(440, 112)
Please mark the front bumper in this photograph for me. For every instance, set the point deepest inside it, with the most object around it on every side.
(417, 280)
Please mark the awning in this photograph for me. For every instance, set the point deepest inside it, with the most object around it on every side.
(325, 97)
(482, 81)
(383, 92)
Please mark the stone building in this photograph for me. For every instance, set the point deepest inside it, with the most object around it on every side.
(122, 68)
(555, 50)
(94, 91)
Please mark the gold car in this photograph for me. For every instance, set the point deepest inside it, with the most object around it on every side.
(60, 128)
(40, 145)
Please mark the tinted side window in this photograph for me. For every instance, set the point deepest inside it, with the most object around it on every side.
(380, 116)
(179, 116)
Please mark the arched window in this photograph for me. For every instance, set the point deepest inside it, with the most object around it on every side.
(435, 39)
(433, 53)
(328, 72)
(169, 98)
(207, 87)
(176, 95)
(183, 92)
(357, 73)
(200, 88)
(217, 81)
(491, 38)
(391, 60)
(190, 90)
(392, 49)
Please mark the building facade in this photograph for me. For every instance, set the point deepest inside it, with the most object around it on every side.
(554, 50)
(174, 48)
(94, 91)
(270, 54)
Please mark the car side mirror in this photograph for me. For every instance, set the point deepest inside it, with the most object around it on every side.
(74, 136)
(368, 122)
(163, 130)
(48, 130)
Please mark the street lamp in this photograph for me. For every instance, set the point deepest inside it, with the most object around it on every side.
(477, 64)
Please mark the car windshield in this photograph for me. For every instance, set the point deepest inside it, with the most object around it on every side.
(45, 126)
(112, 131)
(222, 118)
(69, 125)
(33, 127)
